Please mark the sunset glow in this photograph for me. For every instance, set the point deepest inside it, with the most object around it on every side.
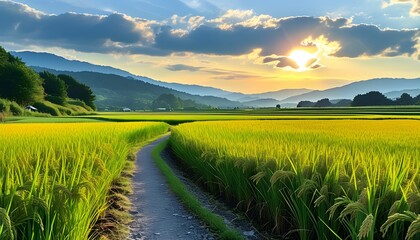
(261, 46)
(303, 59)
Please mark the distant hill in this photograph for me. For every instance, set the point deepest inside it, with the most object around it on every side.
(289, 97)
(114, 91)
(282, 94)
(51, 61)
(349, 91)
(58, 63)
(396, 94)
(268, 102)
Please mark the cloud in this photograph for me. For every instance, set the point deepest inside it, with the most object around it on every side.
(82, 32)
(352, 40)
(236, 32)
(245, 18)
(217, 73)
(183, 67)
(415, 9)
(287, 62)
(315, 66)
(236, 77)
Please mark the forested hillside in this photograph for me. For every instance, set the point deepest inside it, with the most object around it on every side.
(114, 92)
(25, 92)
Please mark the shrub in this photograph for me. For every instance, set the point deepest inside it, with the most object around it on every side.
(325, 102)
(77, 110)
(80, 104)
(15, 109)
(4, 105)
(55, 99)
(28, 113)
(305, 104)
(65, 110)
(47, 107)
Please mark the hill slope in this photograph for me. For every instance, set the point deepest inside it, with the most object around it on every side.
(51, 61)
(290, 96)
(114, 91)
(266, 102)
(282, 94)
(396, 94)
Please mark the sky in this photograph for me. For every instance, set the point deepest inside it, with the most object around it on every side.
(237, 45)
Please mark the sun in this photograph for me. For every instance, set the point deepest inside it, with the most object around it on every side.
(301, 58)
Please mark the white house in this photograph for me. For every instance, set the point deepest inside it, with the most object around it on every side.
(31, 108)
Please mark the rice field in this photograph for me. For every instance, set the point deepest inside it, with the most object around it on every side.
(54, 178)
(312, 179)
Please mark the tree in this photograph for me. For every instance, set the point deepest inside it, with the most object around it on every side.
(325, 102)
(278, 106)
(305, 104)
(20, 84)
(416, 100)
(168, 101)
(405, 99)
(6, 57)
(78, 90)
(343, 103)
(54, 87)
(373, 98)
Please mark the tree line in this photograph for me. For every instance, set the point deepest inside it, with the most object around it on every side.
(170, 102)
(373, 98)
(22, 85)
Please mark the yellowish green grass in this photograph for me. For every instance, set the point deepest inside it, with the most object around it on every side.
(312, 179)
(54, 178)
(175, 118)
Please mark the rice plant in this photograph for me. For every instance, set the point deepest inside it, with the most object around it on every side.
(54, 178)
(312, 179)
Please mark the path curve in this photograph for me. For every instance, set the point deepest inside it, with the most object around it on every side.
(157, 212)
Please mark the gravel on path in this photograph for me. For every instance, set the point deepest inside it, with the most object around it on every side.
(157, 212)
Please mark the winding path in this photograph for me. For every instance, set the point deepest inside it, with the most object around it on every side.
(157, 212)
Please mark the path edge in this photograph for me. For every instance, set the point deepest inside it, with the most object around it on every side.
(214, 221)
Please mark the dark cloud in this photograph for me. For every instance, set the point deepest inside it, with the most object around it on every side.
(182, 67)
(315, 66)
(270, 59)
(282, 62)
(90, 33)
(122, 34)
(355, 40)
(286, 62)
(369, 40)
(239, 39)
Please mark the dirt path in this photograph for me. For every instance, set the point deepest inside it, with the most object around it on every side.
(157, 212)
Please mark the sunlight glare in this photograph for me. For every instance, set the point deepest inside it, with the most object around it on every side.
(301, 58)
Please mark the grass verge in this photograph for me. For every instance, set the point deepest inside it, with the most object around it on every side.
(214, 221)
(114, 222)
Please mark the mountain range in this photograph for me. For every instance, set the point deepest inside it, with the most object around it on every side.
(51, 61)
(391, 87)
(114, 91)
(349, 91)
